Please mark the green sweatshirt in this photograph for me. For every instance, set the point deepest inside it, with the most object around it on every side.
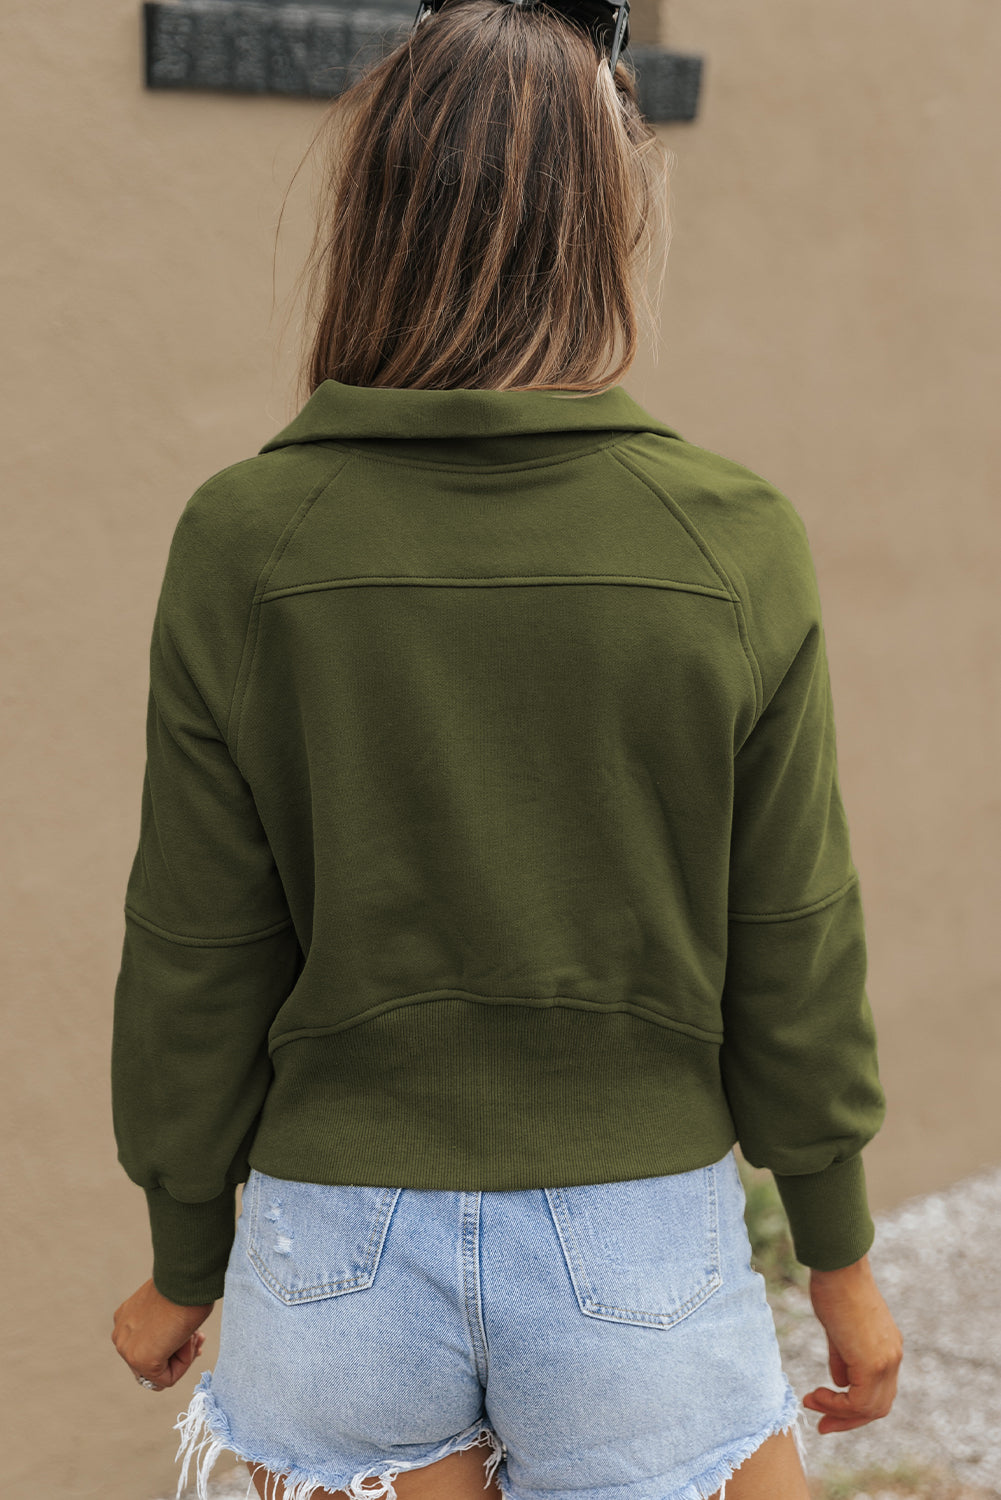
(491, 835)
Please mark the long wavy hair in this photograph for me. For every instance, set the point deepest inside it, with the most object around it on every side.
(489, 202)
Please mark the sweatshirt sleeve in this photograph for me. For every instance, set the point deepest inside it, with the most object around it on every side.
(798, 1059)
(210, 952)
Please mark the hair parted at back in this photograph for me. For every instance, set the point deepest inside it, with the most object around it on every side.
(489, 203)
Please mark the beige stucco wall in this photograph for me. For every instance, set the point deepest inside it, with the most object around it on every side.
(831, 319)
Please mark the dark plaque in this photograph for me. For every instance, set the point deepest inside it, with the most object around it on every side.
(315, 50)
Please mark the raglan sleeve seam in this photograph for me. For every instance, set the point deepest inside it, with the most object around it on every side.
(671, 503)
(237, 701)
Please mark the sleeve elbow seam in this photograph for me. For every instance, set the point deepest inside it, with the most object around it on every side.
(803, 911)
(207, 942)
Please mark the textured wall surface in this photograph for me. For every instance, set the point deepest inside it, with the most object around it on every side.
(830, 320)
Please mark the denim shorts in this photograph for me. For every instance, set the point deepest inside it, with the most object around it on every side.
(603, 1342)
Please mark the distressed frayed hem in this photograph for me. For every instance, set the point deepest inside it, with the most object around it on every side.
(205, 1434)
(716, 1478)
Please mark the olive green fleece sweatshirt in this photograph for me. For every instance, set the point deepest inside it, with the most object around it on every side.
(491, 835)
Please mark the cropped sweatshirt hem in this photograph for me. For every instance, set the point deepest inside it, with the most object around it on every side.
(453, 1095)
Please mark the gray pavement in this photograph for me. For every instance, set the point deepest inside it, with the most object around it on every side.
(937, 1262)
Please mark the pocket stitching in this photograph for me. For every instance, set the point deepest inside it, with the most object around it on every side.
(320, 1289)
(660, 1320)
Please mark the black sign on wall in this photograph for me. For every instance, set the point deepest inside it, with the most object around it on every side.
(315, 49)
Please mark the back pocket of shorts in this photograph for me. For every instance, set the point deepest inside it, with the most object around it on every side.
(308, 1240)
(644, 1251)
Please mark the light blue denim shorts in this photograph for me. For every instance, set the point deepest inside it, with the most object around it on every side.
(603, 1342)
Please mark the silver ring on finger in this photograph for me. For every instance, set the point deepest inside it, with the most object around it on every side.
(149, 1385)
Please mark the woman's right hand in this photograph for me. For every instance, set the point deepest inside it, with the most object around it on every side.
(865, 1345)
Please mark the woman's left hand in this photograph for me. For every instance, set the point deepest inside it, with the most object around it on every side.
(156, 1337)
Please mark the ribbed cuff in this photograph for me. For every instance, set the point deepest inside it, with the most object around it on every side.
(191, 1245)
(828, 1215)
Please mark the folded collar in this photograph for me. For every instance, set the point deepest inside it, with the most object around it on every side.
(338, 412)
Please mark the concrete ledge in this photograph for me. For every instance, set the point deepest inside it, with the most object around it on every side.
(316, 51)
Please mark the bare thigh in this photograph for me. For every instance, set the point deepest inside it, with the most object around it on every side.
(460, 1476)
(773, 1472)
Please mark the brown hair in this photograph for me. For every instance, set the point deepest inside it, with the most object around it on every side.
(487, 196)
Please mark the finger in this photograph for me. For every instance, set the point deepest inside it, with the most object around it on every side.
(839, 1370)
(865, 1402)
(838, 1424)
(183, 1359)
(156, 1370)
(831, 1422)
(816, 1403)
(180, 1362)
(841, 1403)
